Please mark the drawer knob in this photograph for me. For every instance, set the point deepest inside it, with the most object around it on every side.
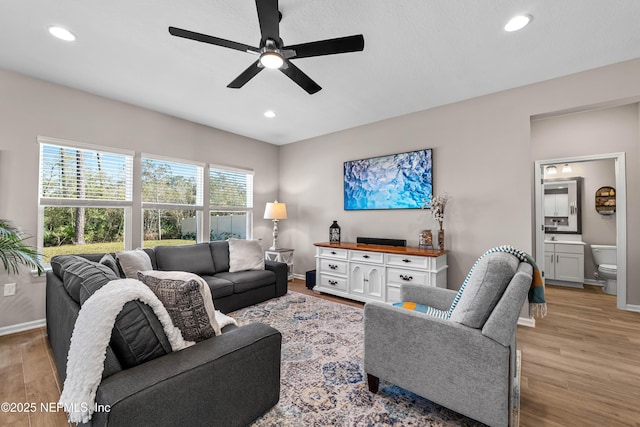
(333, 252)
(333, 282)
(366, 256)
(406, 260)
(406, 278)
(333, 266)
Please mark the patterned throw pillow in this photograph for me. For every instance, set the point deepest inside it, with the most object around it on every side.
(187, 298)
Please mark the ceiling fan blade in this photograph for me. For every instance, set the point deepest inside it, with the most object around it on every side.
(246, 75)
(304, 81)
(269, 20)
(328, 47)
(179, 32)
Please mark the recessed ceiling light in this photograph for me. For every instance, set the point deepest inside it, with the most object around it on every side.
(270, 114)
(62, 33)
(517, 23)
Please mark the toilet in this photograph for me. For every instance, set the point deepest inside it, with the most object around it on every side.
(605, 257)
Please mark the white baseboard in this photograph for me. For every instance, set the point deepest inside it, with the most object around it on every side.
(6, 330)
(527, 321)
(593, 282)
(633, 307)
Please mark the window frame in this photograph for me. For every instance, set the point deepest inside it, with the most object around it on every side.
(133, 205)
(213, 208)
(199, 205)
(44, 202)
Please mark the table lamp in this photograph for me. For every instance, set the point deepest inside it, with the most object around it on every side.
(275, 211)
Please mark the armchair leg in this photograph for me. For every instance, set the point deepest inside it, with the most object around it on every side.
(373, 382)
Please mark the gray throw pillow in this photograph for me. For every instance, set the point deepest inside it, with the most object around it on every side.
(110, 262)
(484, 289)
(245, 255)
(188, 301)
(133, 261)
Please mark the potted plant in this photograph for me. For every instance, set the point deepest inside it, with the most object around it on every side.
(14, 252)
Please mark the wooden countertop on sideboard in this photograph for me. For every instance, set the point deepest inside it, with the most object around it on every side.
(402, 250)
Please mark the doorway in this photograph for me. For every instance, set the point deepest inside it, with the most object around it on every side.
(620, 219)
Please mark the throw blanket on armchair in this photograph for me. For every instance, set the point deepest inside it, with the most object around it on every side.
(537, 303)
(91, 336)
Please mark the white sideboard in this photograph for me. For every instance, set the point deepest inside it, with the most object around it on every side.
(375, 272)
(564, 263)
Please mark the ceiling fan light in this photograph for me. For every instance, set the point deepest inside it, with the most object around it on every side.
(271, 60)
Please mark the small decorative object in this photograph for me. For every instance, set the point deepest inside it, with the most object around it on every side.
(438, 204)
(441, 239)
(334, 233)
(426, 239)
(606, 200)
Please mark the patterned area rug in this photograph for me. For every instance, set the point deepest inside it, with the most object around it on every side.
(323, 380)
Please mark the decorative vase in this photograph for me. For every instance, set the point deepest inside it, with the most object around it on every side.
(334, 233)
(441, 239)
(425, 239)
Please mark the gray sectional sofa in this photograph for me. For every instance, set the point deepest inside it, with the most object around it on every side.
(229, 380)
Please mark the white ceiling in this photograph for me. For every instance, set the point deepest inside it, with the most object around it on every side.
(418, 54)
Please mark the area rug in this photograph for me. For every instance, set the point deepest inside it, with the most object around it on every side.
(323, 381)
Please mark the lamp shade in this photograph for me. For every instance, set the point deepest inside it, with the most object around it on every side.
(275, 210)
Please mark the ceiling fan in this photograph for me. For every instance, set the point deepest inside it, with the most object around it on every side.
(272, 53)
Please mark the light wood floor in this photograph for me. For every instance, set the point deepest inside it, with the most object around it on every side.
(580, 365)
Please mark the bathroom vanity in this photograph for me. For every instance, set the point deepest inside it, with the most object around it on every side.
(564, 262)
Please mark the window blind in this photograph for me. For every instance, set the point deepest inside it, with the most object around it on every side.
(169, 182)
(230, 188)
(73, 173)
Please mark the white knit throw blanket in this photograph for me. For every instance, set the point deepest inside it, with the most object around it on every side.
(91, 336)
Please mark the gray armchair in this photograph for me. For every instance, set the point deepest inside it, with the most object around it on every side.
(465, 362)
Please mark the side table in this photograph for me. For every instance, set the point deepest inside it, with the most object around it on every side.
(281, 255)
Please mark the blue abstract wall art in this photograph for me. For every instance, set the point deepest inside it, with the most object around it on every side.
(397, 181)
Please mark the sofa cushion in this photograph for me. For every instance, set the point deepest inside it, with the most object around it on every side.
(81, 270)
(195, 259)
(245, 255)
(187, 298)
(247, 280)
(220, 254)
(486, 285)
(60, 262)
(219, 287)
(133, 261)
(137, 335)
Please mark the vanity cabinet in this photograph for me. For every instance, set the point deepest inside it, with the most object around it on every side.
(375, 272)
(564, 262)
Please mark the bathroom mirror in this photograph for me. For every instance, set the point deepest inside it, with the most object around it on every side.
(563, 205)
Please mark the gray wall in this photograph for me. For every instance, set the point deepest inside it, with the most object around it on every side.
(31, 107)
(483, 158)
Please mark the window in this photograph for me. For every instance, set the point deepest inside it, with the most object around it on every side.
(172, 201)
(88, 202)
(231, 203)
(85, 193)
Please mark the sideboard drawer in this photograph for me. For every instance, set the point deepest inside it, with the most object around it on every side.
(339, 283)
(364, 256)
(408, 261)
(332, 253)
(396, 275)
(333, 266)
